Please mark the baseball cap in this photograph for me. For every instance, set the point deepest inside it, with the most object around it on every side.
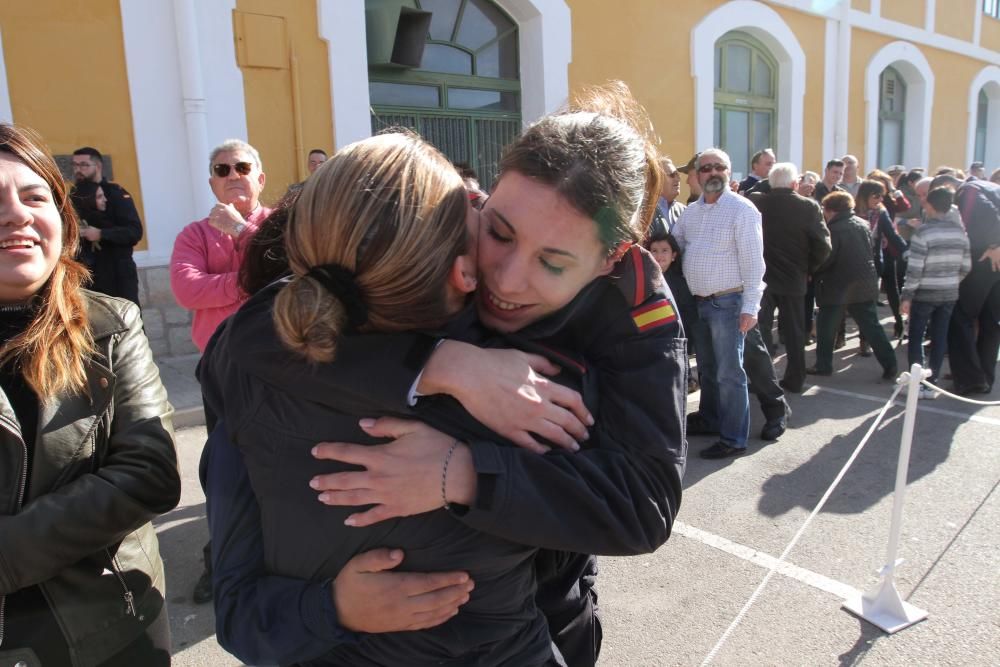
(690, 165)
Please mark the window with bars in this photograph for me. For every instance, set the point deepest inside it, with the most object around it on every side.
(992, 8)
(465, 96)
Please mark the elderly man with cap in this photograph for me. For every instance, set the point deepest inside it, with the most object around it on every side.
(691, 178)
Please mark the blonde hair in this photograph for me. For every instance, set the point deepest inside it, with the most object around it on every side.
(391, 210)
(50, 352)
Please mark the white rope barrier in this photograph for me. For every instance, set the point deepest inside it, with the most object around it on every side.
(956, 397)
(791, 545)
(884, 606)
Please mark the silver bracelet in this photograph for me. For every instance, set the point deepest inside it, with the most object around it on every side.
(444, 474)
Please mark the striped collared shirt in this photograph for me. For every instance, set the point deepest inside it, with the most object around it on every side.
(722, 247)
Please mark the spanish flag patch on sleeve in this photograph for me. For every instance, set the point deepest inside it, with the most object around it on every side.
(654, 315)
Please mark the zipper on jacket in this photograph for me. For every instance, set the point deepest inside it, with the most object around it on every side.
(16, 432)
(127, 594)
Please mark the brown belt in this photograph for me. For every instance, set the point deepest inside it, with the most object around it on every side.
(734, 290)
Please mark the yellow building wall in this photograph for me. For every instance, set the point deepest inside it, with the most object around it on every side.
(647, 46)
(638, 42)
(953, 75)
(67, 79)
(286, 84)
(989, 34)
(911, 12)
(956, 18)
(811, 33)
(861, 5)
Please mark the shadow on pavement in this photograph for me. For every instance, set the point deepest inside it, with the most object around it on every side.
(869, 634)
(871, 477)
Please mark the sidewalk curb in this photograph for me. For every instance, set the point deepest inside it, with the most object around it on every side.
(189, 417)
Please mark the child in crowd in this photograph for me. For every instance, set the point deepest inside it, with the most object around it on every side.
(939, 259)
(667, 254)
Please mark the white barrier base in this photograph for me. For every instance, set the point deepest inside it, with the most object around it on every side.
(884, 607)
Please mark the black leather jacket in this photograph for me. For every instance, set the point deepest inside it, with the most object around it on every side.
(104, 466)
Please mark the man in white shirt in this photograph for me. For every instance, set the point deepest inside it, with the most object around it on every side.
(722, 247)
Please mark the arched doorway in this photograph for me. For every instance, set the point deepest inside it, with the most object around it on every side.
(891, 118)
(465, 96)
(746, 104)
(898, 81)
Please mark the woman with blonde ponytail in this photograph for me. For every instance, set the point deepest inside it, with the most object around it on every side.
(87, 456)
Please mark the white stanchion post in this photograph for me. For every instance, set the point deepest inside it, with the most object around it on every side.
(883, 606)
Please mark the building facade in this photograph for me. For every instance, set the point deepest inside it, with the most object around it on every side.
(155, 84)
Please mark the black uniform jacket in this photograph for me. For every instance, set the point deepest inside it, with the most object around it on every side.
(619, 495)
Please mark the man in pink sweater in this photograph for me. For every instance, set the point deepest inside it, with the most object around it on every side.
(206, 261)
(207, 253)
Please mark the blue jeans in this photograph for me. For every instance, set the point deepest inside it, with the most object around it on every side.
(936, 316)
(725, 403)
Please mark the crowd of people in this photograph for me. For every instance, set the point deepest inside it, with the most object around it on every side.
(814, 250)
(532, 355)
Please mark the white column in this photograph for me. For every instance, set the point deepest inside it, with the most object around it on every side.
(342, 27)
(6, 114)
(830, 90)
(545, 49)
(194, 103)
(876, 7)
(843, 82)
(930, 15)
(158, 124)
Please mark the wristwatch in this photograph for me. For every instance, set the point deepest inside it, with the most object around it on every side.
(239, 227)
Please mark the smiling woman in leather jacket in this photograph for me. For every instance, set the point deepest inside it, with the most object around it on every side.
(86, 444)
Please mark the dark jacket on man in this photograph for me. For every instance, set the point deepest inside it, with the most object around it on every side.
(76, 526)
(110, 260)
(978, 203)
(821, 190)
(848, 274)
(796, 240)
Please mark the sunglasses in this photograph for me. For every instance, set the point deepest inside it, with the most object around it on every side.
(222, 169)
(709, 168)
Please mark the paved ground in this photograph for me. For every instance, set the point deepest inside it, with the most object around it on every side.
(671, 607)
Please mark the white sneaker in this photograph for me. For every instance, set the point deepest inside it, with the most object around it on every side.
(926, 393)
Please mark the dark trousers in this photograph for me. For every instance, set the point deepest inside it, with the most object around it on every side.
(932, 317)
(866, 317)
(567, 597)
(792, 328)
(972, 357)
(761, 380)
(210, 421)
